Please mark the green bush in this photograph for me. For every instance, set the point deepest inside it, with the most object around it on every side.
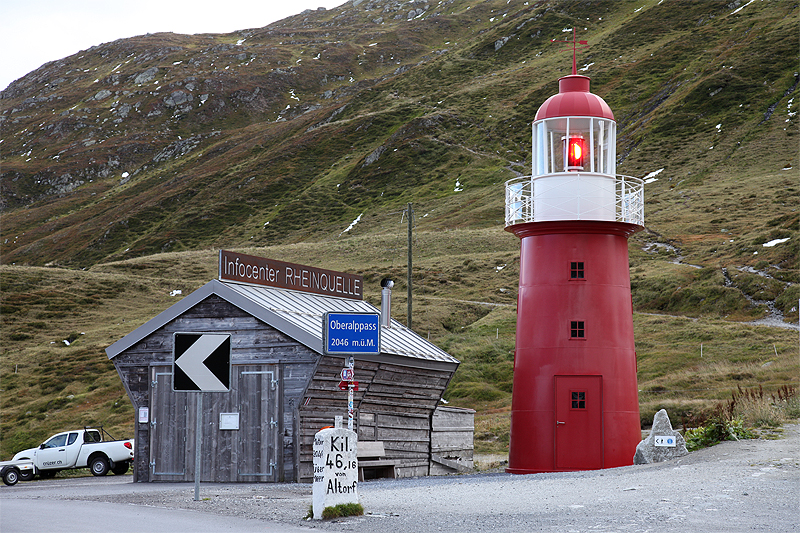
(716, 431)
(343, 509)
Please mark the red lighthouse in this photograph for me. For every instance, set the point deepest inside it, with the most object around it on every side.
(575, 401)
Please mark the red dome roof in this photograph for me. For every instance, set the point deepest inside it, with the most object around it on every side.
(574, 100)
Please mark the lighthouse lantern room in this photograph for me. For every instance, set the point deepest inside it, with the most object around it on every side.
(575, 400)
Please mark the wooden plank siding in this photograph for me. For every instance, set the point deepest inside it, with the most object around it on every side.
(228, 455)
(283, 391)
(394, 404)
(452, 434)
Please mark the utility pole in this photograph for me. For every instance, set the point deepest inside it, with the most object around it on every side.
(410, 213)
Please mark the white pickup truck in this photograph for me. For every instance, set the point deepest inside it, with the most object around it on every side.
(79, 448)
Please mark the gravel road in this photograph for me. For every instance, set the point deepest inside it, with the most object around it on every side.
(750, 485)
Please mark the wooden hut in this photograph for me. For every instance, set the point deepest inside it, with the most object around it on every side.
(282, 387)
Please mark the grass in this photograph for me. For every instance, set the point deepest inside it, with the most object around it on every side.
(463, 302)
(748, 414)
(342, 510)
(338, 511)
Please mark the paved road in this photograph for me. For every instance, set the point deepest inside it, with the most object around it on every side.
(734, 487)
(36, 515)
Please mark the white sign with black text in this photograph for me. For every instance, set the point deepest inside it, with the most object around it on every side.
(665, 441)
(335, 469)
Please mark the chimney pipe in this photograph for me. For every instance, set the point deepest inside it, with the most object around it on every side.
(386, 302)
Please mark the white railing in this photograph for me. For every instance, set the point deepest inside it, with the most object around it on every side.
(575, 196)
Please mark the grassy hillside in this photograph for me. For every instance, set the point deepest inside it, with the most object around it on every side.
(464, 300)
(124, 167)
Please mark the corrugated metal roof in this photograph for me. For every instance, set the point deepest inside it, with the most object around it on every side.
(296, 314)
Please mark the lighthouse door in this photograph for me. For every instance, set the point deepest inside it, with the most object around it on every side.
(579, 422)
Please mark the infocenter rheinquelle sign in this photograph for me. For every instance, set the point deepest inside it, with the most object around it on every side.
(254, 270)
(351, 333)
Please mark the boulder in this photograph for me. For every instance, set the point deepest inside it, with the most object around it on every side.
(146, 76)
(101, 95)
(662, 444)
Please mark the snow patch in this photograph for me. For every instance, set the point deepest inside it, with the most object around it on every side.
(772, 243)
(352, 224)
(744, 6)
(176, 292)
(650, 178)
(458, 187)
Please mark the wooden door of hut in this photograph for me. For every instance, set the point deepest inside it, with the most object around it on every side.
(240, 428)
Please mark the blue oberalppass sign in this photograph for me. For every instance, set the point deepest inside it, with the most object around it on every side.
(351, 333)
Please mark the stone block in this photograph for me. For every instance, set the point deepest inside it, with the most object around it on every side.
(662, 444)
(335, 469)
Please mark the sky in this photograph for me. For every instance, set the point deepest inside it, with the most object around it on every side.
(34, 32)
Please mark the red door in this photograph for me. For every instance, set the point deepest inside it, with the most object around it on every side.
(579, 422)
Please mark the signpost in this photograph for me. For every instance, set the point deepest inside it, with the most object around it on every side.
(351, 385)
(201, 363)
(351, 334)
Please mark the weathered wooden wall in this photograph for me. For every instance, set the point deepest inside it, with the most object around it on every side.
(268, 418)
(394, 404)
(452, 434)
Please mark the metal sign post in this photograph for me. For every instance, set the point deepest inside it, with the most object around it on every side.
(348, 382)
(347, 334)
(201, 363)
(350, 376)
(197, 445)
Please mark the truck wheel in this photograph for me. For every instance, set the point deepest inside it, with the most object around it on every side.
(26, 476)
(11, 476)
(121, 468)
(99, 466)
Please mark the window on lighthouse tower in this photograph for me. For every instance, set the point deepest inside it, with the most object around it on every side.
(574, 144)
(576, 270)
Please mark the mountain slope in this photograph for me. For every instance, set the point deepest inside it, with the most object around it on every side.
(288, 132)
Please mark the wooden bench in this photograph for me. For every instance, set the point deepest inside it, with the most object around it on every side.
(372, 463)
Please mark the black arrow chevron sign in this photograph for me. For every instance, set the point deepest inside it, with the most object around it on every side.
(202, 362)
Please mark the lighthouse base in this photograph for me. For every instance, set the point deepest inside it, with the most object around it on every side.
(575, 399)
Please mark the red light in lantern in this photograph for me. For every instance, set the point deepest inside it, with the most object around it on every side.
(576, 152)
